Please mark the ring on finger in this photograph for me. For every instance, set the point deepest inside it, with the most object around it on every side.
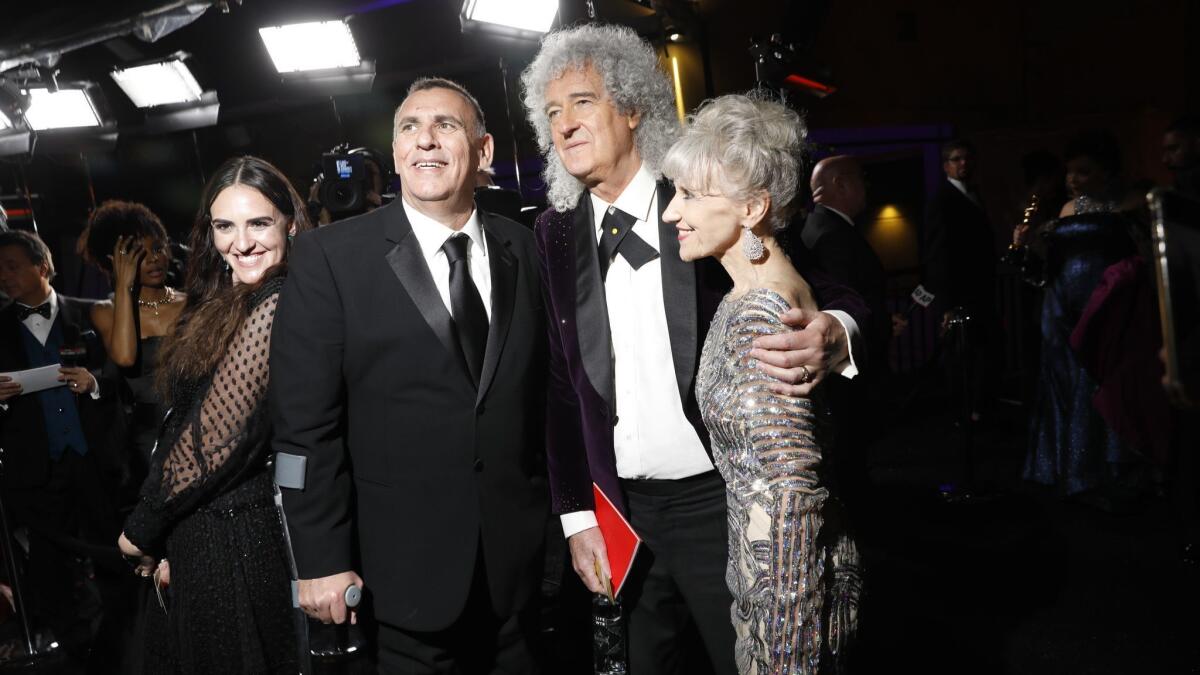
(805, 375)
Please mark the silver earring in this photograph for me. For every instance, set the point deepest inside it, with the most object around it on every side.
(752, 246)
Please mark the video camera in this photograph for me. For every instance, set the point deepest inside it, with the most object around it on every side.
(346, 179)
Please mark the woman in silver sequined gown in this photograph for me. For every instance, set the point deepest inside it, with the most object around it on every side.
(794, 574)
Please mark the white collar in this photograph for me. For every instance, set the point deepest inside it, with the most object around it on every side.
(962, 187)
(52, 299)
(636, 199)
(431, 234)
(845, 217)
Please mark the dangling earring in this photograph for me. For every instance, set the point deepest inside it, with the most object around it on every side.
(752, 246)
(227, 268)
(290, 238)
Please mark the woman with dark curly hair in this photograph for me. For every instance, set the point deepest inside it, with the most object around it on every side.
(208, 503)
(129, 244)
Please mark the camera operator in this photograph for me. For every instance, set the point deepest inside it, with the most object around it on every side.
(349, 182)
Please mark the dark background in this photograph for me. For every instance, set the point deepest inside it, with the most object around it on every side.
(909, 73)
(1021, 584)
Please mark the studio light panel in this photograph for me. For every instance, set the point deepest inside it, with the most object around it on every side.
(61, 109)
(318, 45)
(528, 15)
(158, 84)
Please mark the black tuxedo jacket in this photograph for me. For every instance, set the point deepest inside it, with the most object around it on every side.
(411, 468)
(959, 253)
(839, 249)
(23, 441)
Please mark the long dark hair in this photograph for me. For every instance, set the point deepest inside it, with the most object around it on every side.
(216, 307)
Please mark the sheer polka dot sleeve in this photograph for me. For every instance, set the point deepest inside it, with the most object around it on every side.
(221, 433)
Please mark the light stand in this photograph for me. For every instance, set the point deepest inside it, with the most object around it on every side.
(966, 492)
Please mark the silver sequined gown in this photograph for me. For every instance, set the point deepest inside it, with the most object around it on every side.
(795, 576)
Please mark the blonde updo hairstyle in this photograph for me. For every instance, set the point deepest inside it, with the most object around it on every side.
(743, 145)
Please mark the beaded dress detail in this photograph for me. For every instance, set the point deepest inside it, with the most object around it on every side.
(208, 506)
(795, 576)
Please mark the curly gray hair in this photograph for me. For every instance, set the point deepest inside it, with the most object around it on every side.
(629, 69)
(743, 145)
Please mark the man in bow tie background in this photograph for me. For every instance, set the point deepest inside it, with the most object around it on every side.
(54, 443)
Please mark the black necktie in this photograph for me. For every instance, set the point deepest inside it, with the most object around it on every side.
(24, 312)
(617, 237)
(470, 317)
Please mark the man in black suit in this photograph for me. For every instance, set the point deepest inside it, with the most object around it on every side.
(408, 369)
(837, 247)
(959, 255)
(53, 442)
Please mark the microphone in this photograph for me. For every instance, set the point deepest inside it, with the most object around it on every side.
(921, 297)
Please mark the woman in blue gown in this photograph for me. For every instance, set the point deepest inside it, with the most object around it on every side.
(1071, 448)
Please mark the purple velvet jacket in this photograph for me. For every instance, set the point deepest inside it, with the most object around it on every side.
(581, 401)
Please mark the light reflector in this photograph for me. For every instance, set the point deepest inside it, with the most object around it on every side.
(319, 45)
(61, 109)
(158, 84)
(530, 15)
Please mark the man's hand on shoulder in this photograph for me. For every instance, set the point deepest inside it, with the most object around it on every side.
(802, 358)
(324, 598)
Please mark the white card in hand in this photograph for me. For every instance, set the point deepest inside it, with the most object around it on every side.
(36, 379)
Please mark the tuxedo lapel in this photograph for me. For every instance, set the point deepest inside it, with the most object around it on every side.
(504, 267)
(410, 268)
(595, 338)
(679, 296)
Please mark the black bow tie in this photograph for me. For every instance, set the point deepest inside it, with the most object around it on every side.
(24, 312)
(618, 238)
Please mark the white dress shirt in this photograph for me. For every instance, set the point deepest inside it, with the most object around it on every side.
(652, 438)
(40, 327)
(962, 187)
(431, 235)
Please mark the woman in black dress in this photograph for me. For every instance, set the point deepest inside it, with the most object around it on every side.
(129, 244)
(207, 505)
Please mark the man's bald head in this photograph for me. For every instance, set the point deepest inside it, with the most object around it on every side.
(837, 182)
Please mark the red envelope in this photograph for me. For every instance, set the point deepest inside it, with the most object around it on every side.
(619, 538)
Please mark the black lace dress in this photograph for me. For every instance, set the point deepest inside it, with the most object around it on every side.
(208, 506)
